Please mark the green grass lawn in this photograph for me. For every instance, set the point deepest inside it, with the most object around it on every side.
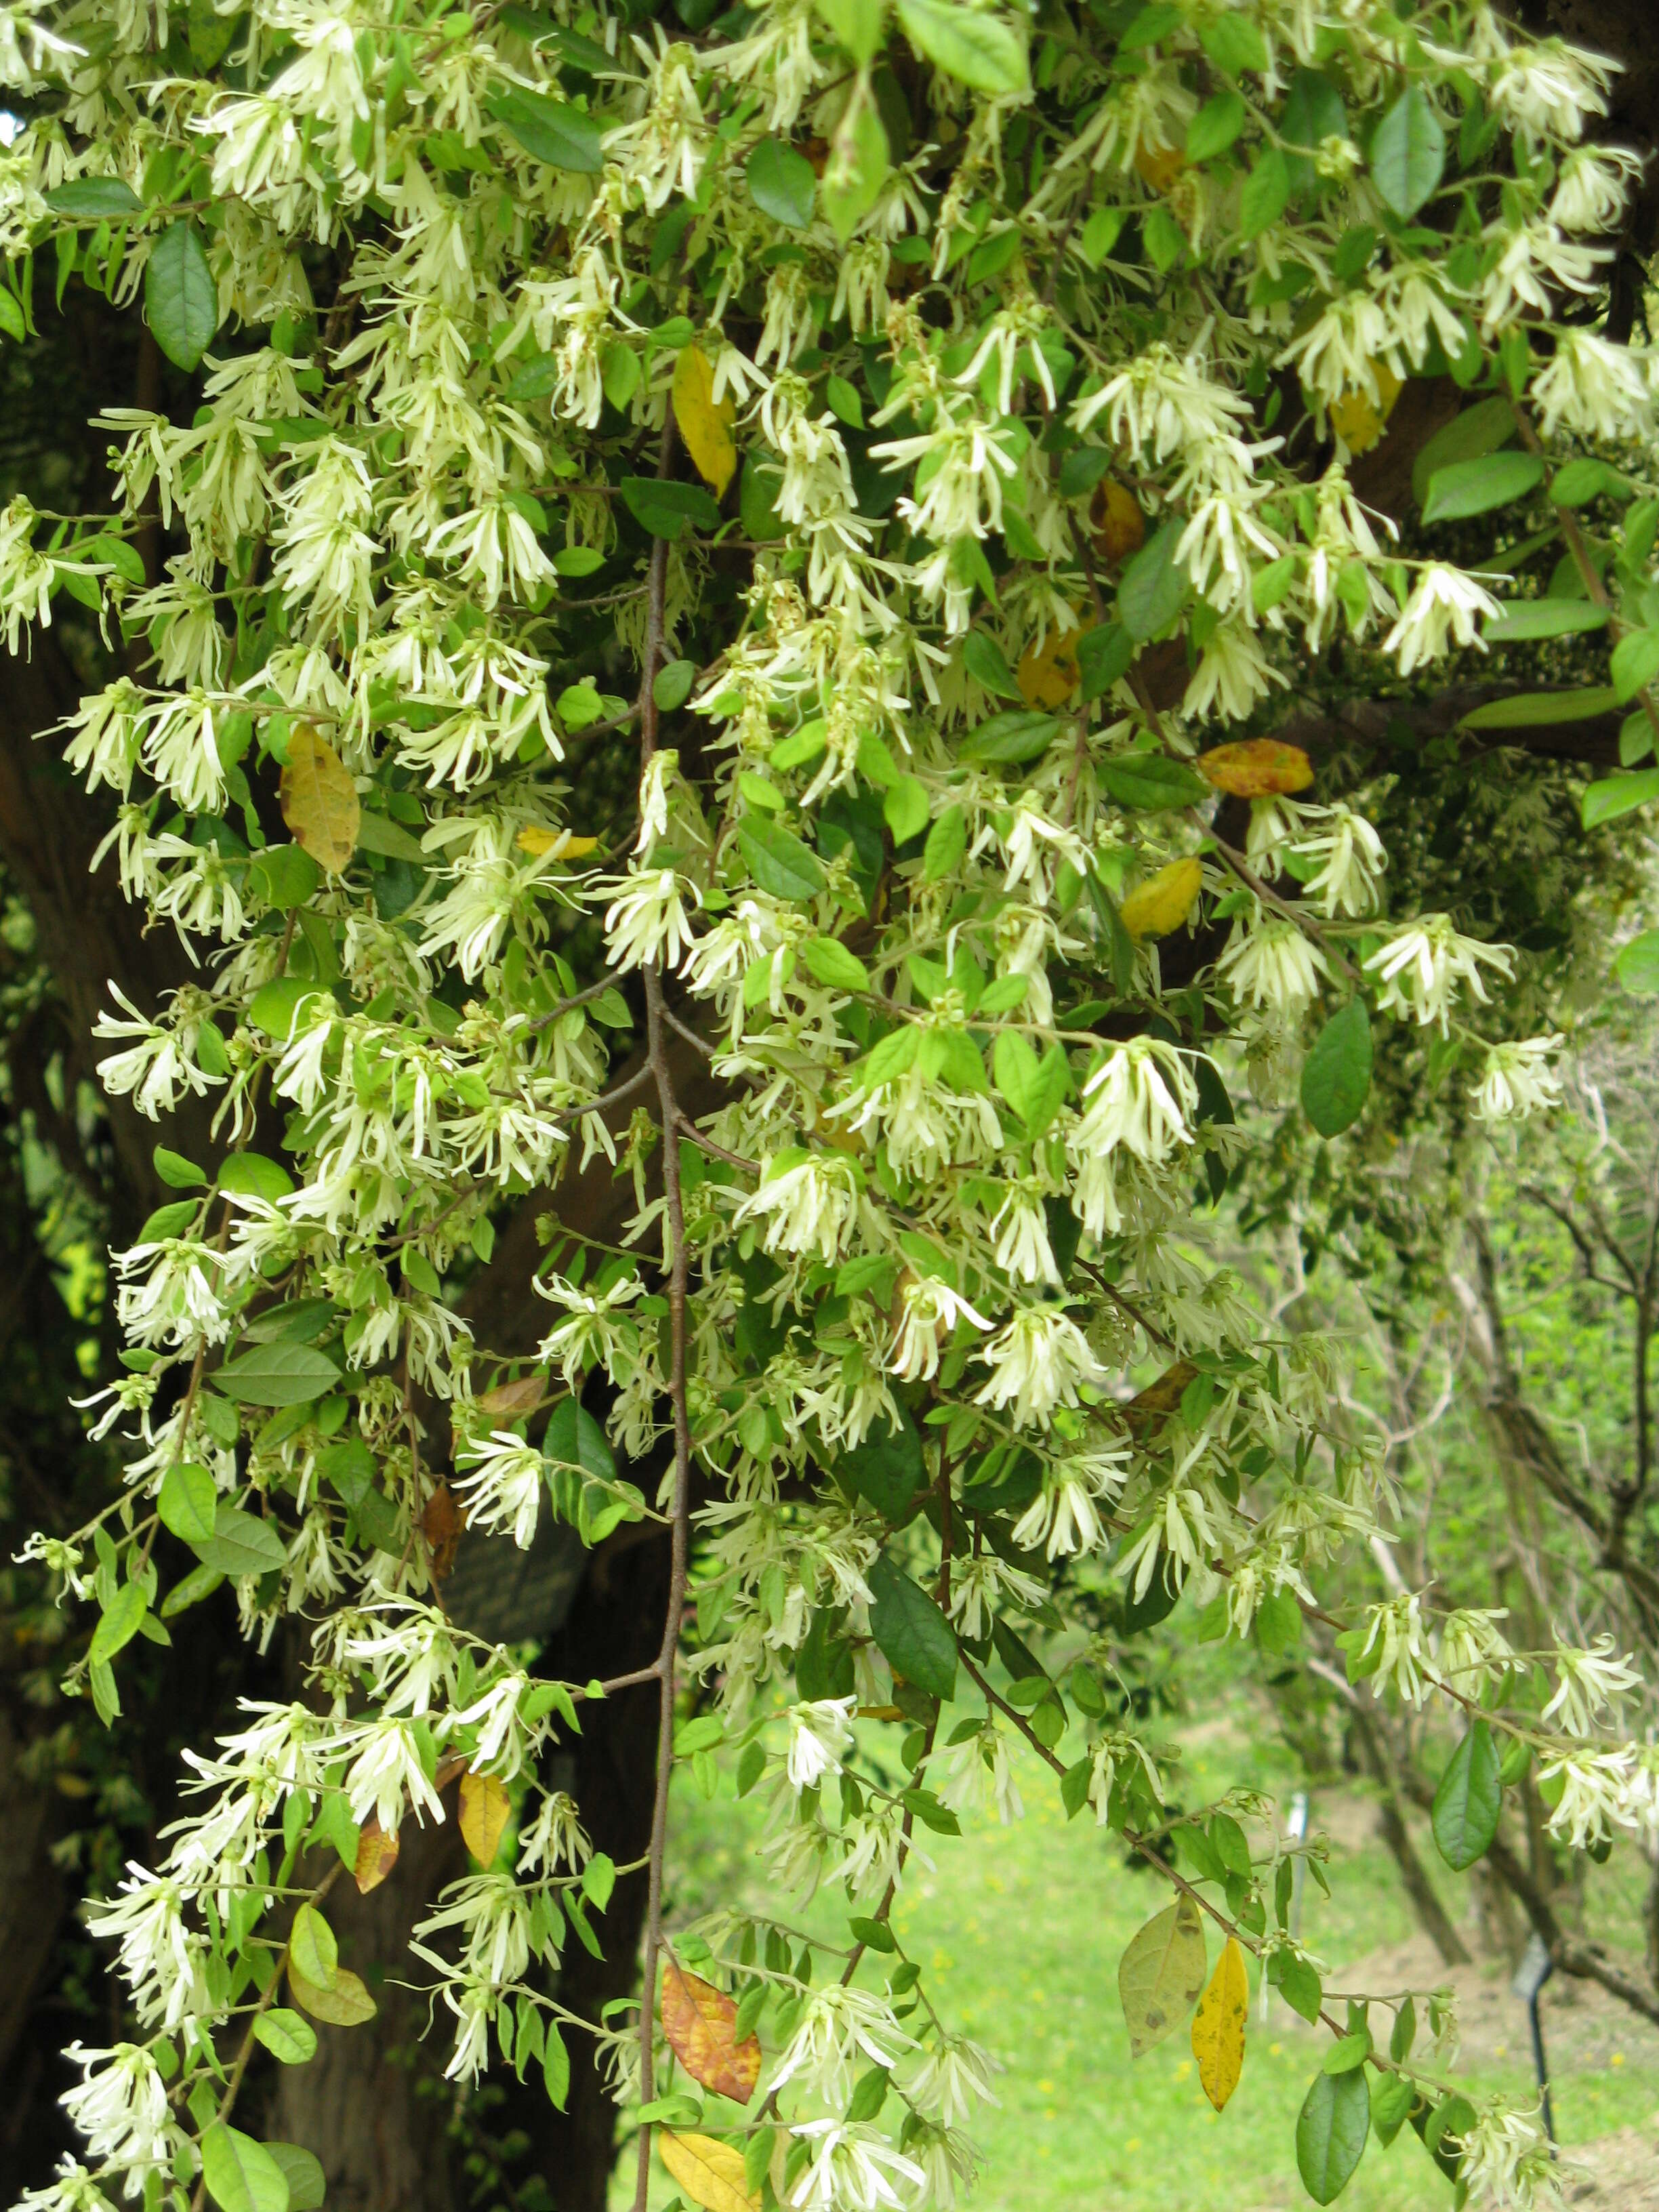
(1020, 1930)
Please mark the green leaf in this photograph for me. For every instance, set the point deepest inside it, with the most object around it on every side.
(563, 137)
(1479, 430)
(1336, 1076)
(1637, 965)
(286, 876)
(831, 965)
(1530, 618)
(1576, 482)
(278, 1375)
(574, 1438)
(778, 860)
(1215, 127)
(1635, 663)
(1161, 1975)
(1267, 194)
(302, 2170)
(240, 2174)
(117, 1623)
(886, 1469)
(287, 2035)
(911, 1633)
(1532, 709)
(181, 300)
(188, 1502)
(857, 168)
(1010, 740)
(980, 50)
(781, 183)
(1330, 2133)
(313, 1948)
(1617, 794)
(208, 34)
(857, 24)
(1234, 44)
(1154, 587)
(555, 2067)
(672, 686)
(668, 509)
(175, 1171)
(947, 840)
(1469, 488)
(95, 199)
(251, 1175)
(987, 663)
(242, 1544)
(904, 809)
(1468, 1799)
(379, 833)
(1408, 153)
(199, 1583)
(1152, 783)
(1103, 655)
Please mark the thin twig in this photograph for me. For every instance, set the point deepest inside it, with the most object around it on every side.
(658, 1061)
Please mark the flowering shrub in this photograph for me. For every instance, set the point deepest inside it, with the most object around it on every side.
(923, 443)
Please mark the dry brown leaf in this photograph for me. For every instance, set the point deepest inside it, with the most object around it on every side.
(706, 428)
(560, 844)
(441, 1526)
(711, 2174)
(348, 2004)
(1046, 674)
(512, 1401)
(1161, 1973)
(1256, 767)
(1219, 2026)
(698, 2020)
(1159, 1400)
(484, 1809)
(1118, 523)
(1163, 902)
(320, 800)
(377, 1854)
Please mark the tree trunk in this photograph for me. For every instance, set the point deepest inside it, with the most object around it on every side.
(1378, 1754)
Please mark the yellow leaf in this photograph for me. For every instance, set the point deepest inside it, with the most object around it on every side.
(484, 1808)
(711, 2174)
(1117, 522)
(346, 2004)
(559, 843)
(320, 800)
(1256, 767)
(1046, 674)
(1161, 1973)
(1357, 419)
(1219, 2026)
(1163, 902)
(1158, 167)
(377, 1854)
(706, 429)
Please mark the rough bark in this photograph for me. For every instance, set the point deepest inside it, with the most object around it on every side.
(367, 2104)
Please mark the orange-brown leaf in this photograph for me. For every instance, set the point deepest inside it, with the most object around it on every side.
(377, 1854)
(698, 2020)
(1118, 523)
(442, 1525)
(484, 1808)
(1159, 1400)
(1256, 767)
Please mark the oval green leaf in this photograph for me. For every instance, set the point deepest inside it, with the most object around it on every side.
(781, 183)
(1330, 2133)
(181, 300)
(1336, 1075)
(1468, 1799)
